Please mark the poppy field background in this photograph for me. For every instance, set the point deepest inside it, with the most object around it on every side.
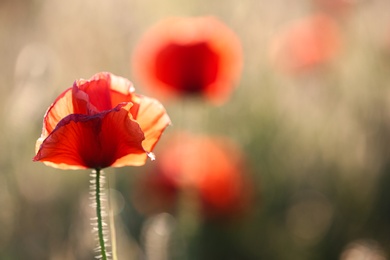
(315, 140)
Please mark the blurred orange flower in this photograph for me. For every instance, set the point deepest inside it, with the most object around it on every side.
(189, 56)
(212, 167)
(99, 123)
(335, 7)
(306, 43)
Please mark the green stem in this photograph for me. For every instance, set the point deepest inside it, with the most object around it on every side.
(99, 216)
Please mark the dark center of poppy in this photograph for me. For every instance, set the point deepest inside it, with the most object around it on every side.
(187, 68)
(91, 149)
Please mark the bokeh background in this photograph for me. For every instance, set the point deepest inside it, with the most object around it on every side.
(316, 142)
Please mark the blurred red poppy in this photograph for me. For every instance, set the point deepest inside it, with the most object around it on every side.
(306, 44)
(154, 193)
(189, 56)
(99, 123)
(335, 7)
(212, 167)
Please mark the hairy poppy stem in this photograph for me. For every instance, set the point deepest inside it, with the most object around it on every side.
(99, 215)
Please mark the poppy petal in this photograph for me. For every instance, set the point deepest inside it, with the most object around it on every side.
(153, 119)
(121, 90)
(81, 104)
(60, 108)
(98, 90)
(97, 141)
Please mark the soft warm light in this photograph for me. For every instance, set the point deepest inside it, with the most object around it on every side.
(363, 250)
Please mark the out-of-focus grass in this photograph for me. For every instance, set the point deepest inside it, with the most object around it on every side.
(317, 142)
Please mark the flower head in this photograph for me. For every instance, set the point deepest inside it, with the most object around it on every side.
(98, 123)
(212, 167)
(306, 43)
(189, 56)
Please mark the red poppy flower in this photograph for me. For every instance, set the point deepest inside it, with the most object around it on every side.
(306, 43)
(189, 56)
(99, 123)
(212, 167)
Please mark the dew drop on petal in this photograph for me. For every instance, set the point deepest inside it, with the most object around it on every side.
(151, 156)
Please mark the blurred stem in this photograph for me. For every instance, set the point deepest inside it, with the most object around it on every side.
(112, 223)
(99, 216)
(188, 214)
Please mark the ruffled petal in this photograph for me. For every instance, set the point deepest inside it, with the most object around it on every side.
(81, 104)
(153, 119)
(60, 108)
(98, 141)
(98, 90)
(105, 91)
(122, 90)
